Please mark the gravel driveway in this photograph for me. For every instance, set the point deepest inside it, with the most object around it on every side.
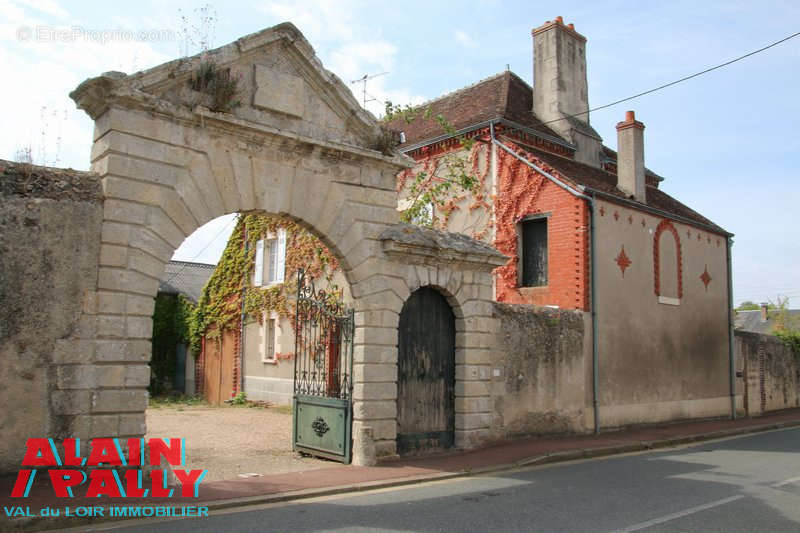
(228, 441)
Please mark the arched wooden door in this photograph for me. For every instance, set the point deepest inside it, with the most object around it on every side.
(426, 373)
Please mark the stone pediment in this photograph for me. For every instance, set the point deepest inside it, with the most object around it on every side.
(283, 87)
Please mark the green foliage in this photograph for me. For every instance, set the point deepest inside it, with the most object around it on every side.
(220, 304)
(177, 400)
(426, 188)
(219, 83)
(172, 319)
(748, 306)
(239, 399)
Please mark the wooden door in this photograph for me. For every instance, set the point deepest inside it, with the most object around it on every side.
(212, 366)
(426, 373)
(218, 368)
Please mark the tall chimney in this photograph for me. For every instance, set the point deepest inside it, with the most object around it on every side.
(764, 312)
(630, 157)
(560, 87)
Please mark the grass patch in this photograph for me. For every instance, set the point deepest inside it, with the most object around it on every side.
(179, 401)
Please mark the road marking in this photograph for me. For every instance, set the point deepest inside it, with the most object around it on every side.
(786, 482)
(679, 514)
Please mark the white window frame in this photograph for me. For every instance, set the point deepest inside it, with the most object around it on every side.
(270, 259)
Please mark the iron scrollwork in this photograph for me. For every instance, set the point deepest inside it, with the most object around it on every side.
(324, 330)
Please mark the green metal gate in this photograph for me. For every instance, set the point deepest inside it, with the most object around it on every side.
(323, 369)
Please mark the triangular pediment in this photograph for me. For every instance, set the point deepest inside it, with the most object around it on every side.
(281, 85)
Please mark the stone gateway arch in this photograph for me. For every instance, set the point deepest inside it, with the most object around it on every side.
(294, 143)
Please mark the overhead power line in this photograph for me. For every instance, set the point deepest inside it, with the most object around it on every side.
(685, 78)
(209, 243)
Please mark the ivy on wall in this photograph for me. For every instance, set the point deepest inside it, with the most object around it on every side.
(220, 304)
(172, 318)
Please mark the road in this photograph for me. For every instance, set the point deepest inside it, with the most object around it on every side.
(747, 484)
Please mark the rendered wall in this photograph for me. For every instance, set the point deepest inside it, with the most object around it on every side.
(660, 358)
(49, 242)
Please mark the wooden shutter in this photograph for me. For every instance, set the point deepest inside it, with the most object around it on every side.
(258, 279)
(280, 265)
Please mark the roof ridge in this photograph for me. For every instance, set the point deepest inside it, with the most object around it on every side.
(464, 89)
(177, 262)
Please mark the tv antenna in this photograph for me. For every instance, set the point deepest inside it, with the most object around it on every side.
(363, 80)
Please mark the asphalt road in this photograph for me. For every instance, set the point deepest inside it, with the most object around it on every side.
(744, 484)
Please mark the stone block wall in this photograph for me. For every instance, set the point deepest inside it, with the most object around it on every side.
(770, 378)
(50, 224)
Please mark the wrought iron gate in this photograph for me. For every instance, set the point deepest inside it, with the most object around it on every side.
(323, 368)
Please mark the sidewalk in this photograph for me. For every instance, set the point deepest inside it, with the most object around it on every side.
(341, 478)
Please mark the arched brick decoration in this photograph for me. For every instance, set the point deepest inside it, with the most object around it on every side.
(662, 226)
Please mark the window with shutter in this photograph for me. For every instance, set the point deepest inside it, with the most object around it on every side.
(280, 264)
(258, 275)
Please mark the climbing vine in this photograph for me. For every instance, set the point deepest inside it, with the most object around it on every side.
(172, 318)
(220, 304)
(440, 180)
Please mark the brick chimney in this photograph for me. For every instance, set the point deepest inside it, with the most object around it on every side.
(630, 157)
(764, 312)
(560, 87)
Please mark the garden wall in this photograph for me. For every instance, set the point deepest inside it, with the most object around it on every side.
(49, 243)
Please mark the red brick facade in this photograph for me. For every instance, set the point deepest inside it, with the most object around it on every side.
(521, 191)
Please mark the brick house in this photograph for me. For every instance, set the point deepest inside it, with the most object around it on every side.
(589, 229)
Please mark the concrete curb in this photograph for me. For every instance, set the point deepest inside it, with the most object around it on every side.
(36, 524)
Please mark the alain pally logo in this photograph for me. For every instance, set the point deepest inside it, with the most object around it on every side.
(110, 472)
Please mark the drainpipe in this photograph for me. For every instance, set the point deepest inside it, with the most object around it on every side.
(590, 200)
(595, 350)
(731, 350)
(242, 317)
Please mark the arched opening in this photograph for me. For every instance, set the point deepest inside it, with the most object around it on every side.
(235, 286)
(425, 373)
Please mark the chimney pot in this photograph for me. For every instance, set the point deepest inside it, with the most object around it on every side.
(571, 26)
(560, 19)
(630, 158)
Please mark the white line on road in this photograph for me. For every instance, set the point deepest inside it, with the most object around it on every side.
(786, 482)
(679, 514)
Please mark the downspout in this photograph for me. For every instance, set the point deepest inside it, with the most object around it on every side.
(592, 275)
(242, 317)
(731, 349)
(592, 296)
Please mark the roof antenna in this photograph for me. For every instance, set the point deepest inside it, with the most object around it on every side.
(364, 80)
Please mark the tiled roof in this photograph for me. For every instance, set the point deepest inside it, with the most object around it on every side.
(605, 182)
(504, 95)
(751, 320)
(188, 279)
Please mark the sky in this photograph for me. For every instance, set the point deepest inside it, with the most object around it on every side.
(726, 142)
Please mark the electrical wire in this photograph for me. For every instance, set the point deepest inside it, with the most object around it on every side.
(209, 243)
(670, 84)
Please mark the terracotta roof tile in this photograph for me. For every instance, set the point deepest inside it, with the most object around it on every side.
(606, 182)
(504, 95)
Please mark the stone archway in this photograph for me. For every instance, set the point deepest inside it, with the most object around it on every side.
(167, 166)
(298, 146)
